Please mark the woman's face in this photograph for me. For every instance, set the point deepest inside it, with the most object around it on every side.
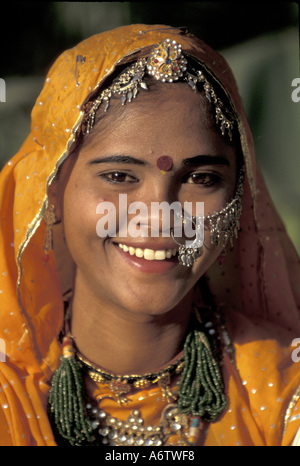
(121, 158)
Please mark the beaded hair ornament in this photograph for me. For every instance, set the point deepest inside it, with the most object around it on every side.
(167, 63)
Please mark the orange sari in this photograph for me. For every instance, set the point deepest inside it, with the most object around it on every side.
(258, 287)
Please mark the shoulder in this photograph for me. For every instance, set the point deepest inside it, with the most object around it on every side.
(268, 373)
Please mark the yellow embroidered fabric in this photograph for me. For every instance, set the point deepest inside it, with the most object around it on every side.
(258, 287)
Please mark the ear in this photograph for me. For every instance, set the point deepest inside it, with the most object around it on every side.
(64, 263)
(55, 198)
(59, 183)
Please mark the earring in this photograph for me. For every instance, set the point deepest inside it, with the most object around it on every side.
(49, 218)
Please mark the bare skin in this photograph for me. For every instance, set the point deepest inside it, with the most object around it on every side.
(124, 319)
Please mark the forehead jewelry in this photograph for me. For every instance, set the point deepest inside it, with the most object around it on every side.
(167, 63)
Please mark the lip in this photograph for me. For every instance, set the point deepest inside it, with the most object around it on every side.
(146, 266)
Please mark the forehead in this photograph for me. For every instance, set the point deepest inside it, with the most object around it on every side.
(169, 109)
(173, 121)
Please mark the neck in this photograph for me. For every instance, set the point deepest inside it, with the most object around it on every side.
(124, 342)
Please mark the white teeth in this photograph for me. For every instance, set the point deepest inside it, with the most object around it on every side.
(139, 252)
(160, 255)
(169, 253)
(149, 254)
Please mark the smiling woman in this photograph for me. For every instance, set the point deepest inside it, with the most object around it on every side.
(138, 336)
(210, 179)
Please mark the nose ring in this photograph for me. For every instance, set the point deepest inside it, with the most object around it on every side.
(188, 251)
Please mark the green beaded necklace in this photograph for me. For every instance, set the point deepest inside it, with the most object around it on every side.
(200, 389)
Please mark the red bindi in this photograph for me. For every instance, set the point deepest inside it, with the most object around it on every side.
(164, 162)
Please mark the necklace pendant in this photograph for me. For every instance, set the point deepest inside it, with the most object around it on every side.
(120, 388)
(164, 383)
(142, 384)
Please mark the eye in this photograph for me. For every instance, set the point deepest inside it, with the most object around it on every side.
(119, 177)
(204, 179)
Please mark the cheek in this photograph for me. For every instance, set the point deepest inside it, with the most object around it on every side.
(107, 223)
(79, 217)
(210, 202)
(216, 201)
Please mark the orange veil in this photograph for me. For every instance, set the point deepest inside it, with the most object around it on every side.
(258, 287)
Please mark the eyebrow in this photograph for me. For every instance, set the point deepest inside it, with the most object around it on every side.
(188, 162)
(205, 160)
(118, 159)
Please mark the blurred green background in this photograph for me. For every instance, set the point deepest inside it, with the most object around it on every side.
(259, 40)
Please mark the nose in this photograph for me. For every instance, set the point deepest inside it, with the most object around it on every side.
(166, 216)
(152, 214)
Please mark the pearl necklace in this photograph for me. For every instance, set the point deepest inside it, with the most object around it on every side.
(111, 431)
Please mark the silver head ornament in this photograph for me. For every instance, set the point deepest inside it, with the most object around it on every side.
(167, 63)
